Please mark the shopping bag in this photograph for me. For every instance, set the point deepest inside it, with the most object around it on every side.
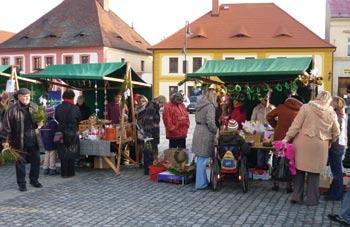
(280, 171)
(58, 137)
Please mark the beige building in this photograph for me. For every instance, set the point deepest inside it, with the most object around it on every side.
(338, 33)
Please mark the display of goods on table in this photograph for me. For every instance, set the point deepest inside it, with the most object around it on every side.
(257, 133)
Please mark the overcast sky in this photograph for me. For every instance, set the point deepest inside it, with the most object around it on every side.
(157, 19)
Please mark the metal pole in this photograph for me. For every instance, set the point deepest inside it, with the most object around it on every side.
(185, 53)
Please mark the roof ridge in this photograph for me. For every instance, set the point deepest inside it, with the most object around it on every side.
(97, 4)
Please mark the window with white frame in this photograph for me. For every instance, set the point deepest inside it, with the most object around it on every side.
(19, 63)
(68, 59)
(36, 63)
(5, 61)
(197, 63)
(142, 65)
(84, 59)
(229, 58)
(48, 60)
(173, 65)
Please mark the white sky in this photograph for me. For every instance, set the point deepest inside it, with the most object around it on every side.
(157, 19)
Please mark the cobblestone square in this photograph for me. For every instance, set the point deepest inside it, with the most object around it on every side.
(99, 198)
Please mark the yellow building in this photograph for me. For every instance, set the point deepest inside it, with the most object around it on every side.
(236, 31)
(338, 33)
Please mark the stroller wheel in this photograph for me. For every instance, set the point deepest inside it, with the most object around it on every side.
(243, 175)
(215, 175)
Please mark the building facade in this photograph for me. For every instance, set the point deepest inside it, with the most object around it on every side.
(62, 37)
(236, 31)
(338, 33)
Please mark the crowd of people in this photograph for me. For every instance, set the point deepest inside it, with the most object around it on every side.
(317, 129)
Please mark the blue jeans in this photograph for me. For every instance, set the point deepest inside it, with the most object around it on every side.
(345, 208)
(335, 161)
(201, 172)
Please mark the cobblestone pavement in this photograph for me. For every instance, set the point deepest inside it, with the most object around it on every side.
(99, 198)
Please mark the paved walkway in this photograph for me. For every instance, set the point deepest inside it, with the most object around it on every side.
(99, 198)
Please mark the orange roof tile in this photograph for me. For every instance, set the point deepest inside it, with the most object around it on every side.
(4, 35)
(247, 26)
(82, 23)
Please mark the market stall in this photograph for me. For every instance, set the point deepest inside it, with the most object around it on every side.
(98, 80)
(250, 80)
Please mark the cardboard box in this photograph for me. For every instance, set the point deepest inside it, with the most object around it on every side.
(99, 163)
(255, 139)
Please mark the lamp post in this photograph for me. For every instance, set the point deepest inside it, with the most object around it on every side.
(187, 34)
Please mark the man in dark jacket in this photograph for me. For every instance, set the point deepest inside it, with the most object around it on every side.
(18, 132)
(68, 117)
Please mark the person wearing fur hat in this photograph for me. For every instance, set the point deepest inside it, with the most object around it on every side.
(18, 132)
(47, 135)
(313, 130)
(176, 121)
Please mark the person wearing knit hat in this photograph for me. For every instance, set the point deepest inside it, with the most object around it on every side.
(47, 135)
(232, 125)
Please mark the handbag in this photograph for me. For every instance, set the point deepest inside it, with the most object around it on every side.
(58, 137)
(280, 171)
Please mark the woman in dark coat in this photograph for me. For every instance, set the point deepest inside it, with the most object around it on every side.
(68, 117)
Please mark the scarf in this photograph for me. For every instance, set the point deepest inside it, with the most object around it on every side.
(71, 101)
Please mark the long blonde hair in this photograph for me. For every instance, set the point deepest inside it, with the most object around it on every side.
(212, 97)
(338, 103)
(324, 98)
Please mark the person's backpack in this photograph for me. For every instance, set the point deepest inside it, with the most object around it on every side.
(229, 161)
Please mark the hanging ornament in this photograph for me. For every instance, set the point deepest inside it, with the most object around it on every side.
(286, 86)
(241, 97)
(238, 88)
(248, 90)
(278, 87)
(96, 107)
(294, 85)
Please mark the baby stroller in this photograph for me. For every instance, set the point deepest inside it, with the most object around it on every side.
(230, 158)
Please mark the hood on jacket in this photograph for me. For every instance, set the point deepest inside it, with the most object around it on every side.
(203, 102)
(293, 104)
(326, 113)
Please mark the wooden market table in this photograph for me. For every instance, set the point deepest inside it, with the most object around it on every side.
(102, 148)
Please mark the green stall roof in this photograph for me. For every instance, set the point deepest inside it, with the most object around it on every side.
(249, 70)
(95, 71)
(5, 68)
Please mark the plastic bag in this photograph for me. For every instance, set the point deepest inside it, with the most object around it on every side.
(280, 171)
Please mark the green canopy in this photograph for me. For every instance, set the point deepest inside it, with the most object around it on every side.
(5, 68)
(97, 71)
(248, 70)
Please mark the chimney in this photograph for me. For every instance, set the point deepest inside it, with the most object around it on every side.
(104, 4)
(215, 9)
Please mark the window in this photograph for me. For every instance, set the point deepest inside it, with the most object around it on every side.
(348, 46)
(197, 63)
(85, 59)
(230, 58)
(48, 61)
(19, 63)
(68, 60)
(173, 65)
(142, 66)
(184, 66)
(122, 60)
(5, 61)
(36, 63)
(249, 57)
(173, 89)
